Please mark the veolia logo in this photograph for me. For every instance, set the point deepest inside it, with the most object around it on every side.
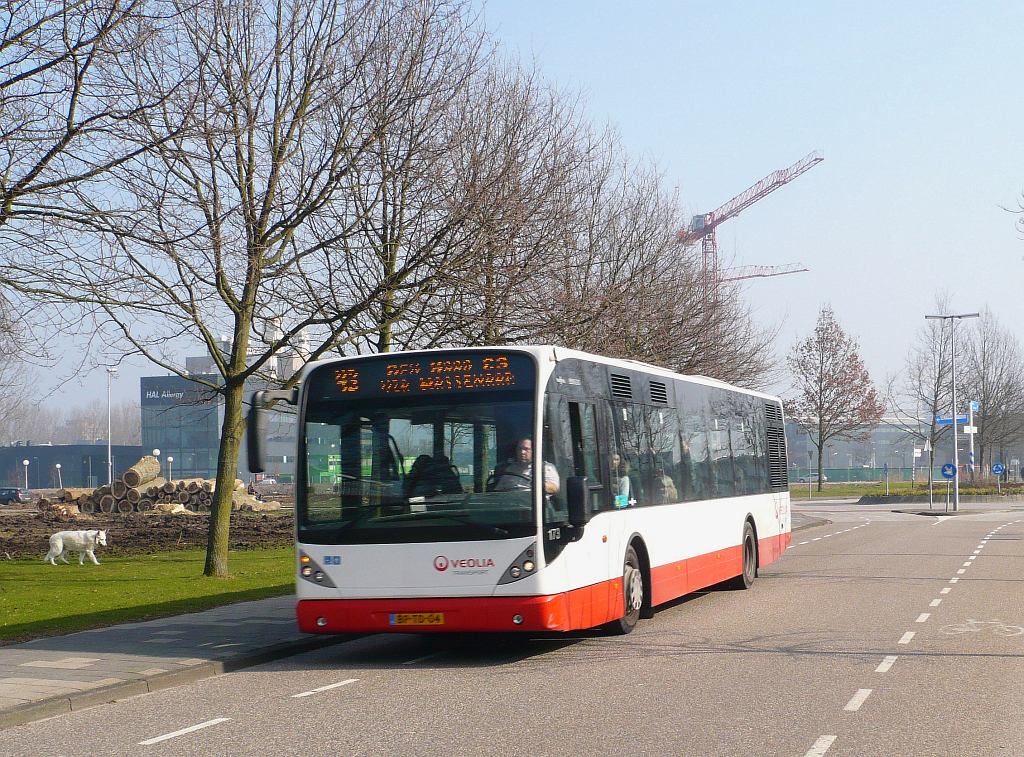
(442, 563)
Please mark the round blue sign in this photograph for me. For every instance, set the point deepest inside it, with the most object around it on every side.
(948, 470)
(998, 469)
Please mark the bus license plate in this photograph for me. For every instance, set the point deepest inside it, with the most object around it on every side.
(417, 618)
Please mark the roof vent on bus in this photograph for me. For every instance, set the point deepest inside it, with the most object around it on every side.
(621, 387)
(659, 393)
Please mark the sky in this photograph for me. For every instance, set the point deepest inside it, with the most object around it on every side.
(916, 107)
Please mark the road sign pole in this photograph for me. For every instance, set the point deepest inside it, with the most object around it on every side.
(970, 422)
(956, 455)
(931, 471)
(953, 318)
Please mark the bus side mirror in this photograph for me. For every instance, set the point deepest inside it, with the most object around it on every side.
(256, 425)
(577, 496)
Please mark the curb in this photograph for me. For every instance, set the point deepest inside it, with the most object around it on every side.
(812, 523)
(61, 705)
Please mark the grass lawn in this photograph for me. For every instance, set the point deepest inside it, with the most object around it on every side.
(875, 488)
(41, 600)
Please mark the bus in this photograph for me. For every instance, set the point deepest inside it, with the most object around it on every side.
(533, 489)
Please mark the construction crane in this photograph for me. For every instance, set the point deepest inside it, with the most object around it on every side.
(702, 227)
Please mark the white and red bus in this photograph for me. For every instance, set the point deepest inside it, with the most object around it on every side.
(523, 489)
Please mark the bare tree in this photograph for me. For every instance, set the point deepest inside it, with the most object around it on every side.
(992, 375)
(76, 425)
(510, 144)
(626, 288)
(920, 393)
(59, 102)
(835, 397)
(236, 218)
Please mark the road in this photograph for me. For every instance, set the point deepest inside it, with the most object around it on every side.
(878, 634)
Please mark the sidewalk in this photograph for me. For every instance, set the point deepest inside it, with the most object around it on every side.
(52, 676)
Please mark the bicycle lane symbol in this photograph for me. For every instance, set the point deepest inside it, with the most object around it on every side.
(996, 626)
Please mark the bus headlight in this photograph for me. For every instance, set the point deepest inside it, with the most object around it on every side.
(310, 571)
(520, 567)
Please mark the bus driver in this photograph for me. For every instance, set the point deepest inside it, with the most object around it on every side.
(518, 473)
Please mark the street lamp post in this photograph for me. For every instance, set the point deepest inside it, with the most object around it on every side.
(60, 481)
(952, 375)
(111, 373)
(170, 464)
(25, 463)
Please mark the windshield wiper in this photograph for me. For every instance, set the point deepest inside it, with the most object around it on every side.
(459, 519)
(367, 511)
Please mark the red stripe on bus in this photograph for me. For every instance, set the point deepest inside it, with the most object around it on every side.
(587, 607)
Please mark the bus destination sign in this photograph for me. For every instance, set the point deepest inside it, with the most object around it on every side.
(449, 373)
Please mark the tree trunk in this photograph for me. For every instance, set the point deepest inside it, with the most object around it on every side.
(227, 468)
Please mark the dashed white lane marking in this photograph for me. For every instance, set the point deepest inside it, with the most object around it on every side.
(820, 746)
(953, 580)
(816, 538)
(977, 551)
(328, 687)
(962, 571)
(886, 664)
(804, 542)
(945, 591)
(923, 617)
(906, 638)
(858, 699)
(967, 565)
(183, 731)
(935, 603)
(421, 659)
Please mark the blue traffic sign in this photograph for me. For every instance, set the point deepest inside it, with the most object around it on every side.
(943, 421)
(998, 469)
(887, 467)
(948, 470)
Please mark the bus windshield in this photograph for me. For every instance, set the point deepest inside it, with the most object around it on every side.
(415, 469)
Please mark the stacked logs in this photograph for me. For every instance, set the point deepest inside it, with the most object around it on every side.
(140, 489)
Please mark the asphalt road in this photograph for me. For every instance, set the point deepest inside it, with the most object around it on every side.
(877, 634)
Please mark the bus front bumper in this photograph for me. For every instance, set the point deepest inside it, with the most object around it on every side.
(458, 614)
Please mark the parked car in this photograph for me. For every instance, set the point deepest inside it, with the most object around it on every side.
(13, 495)
(813, 478)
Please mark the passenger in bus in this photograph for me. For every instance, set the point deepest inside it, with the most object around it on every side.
(429, 476)
(625, 482)
(664, 488)
(517, 473)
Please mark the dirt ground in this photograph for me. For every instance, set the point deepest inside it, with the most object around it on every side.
(27, 534)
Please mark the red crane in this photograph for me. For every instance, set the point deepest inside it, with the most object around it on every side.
(702, 227)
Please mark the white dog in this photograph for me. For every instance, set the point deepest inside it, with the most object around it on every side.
(82, 542)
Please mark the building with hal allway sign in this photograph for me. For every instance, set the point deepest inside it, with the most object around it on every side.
(181, 418)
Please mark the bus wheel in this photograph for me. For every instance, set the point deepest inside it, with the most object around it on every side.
(746, 579)
(632, 593)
